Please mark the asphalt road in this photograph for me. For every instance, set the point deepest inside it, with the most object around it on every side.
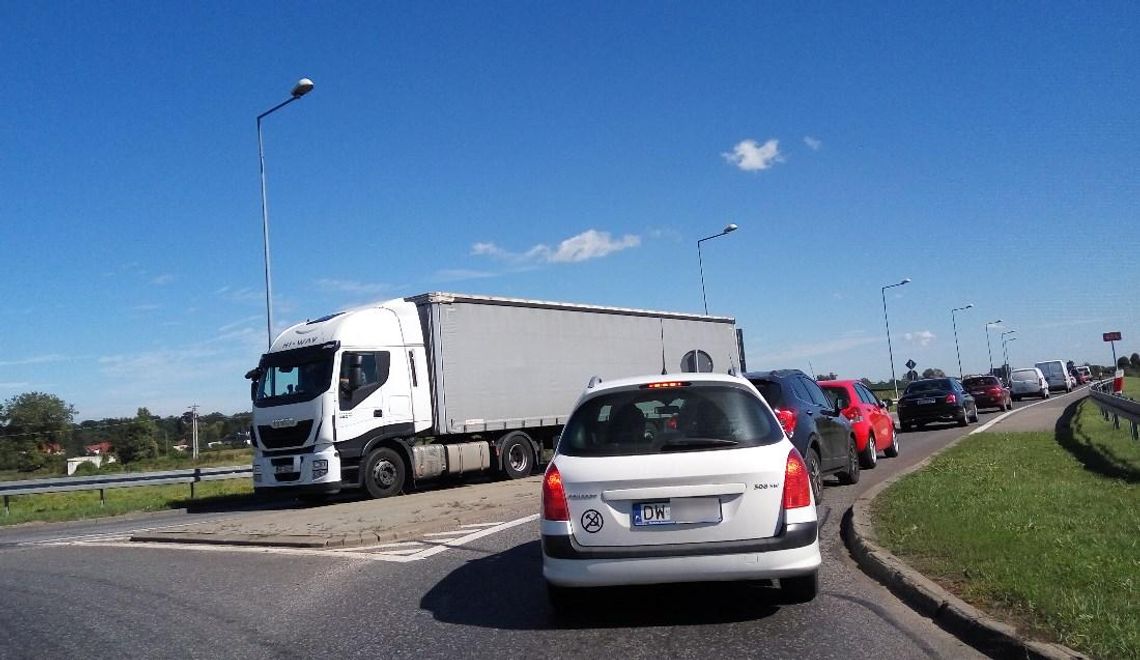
(484, 599)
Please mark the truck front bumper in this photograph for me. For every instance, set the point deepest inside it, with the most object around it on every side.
(318, 471)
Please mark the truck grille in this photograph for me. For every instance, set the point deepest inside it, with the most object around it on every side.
(294, 436)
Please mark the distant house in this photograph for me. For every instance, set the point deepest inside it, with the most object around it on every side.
(99, 448)
(51, 449)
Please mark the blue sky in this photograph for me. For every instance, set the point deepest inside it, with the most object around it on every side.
(572, 152)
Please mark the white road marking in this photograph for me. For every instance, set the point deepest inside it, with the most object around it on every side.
(401, 552)
(457, 532)
(486, 524)
(995, 420)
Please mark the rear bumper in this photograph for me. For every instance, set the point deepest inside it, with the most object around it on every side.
(794, 552)
(989, 401)
(930, 413)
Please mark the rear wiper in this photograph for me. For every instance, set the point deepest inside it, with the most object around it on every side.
(697, 443)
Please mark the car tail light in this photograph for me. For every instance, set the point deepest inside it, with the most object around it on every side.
(554, 505)
(950, 398)
(996, 391)
(797, 482)
(787, 420)
(853, 414)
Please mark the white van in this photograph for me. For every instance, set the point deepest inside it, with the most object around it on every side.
(1056, 374)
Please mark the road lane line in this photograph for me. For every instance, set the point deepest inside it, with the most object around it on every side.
(985, 427)
(474, 536)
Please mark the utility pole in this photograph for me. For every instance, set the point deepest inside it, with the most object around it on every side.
(194, 429)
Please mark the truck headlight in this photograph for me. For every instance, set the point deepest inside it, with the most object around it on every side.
(320, 468)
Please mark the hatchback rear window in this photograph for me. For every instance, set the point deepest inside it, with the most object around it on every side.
(937, 385)
(1025, 374)
(771, 392)
(688, 418)
(981, 381)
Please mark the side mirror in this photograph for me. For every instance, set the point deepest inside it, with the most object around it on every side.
(887, 403)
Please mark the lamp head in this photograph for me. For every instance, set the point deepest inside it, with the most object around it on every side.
(303, 87)
(730, 228)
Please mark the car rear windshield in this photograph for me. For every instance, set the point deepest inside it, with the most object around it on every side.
(980, 381)
(771, 392)
(655, 421)
(1025, 374)
(937, 385)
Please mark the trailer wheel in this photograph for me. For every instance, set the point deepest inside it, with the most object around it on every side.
(384, 473)
(518, 455)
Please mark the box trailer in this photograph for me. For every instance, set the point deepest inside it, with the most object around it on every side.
(388, 395)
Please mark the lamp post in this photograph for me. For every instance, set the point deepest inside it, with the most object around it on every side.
(988, 351)
(886, 322)
(727, 230)
(1005, 355)
(303, 86)
(955, 322)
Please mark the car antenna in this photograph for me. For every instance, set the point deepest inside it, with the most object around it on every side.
(664, 370)
(812, 374)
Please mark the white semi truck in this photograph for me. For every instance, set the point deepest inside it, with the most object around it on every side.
(389, 395)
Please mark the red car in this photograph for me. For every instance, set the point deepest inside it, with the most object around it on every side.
(872, 422)
(988, 392)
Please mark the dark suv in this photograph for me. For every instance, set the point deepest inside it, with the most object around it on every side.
(819, 432)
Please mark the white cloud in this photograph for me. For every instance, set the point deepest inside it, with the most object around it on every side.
(351, 286)
(242, 295)
(815, 144)
(922, 337)
(751, 156)
(38, 359)
(459, 274)
(15, 386)
(165, 278)
(590, 244)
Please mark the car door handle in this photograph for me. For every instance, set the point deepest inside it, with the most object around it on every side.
(377, 413)
(810, 411)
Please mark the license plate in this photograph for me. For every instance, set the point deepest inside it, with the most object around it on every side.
(282, 469)
(924, 402)
(678, 511)
(652, 513)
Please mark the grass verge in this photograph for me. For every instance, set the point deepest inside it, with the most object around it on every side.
(1033, 528)
(55, 507)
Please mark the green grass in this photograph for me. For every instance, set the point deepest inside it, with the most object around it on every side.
(54, 507)
(1040, 529)
(214, 458)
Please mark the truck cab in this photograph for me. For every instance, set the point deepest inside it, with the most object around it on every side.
(331, 389)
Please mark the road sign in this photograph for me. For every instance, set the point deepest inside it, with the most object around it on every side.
(1112, 336)
(912, 375)
(911, 364)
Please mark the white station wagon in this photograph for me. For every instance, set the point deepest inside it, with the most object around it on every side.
(684, 478)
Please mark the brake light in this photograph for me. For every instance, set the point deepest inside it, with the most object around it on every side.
(797, 482)
(995, 391)
(853, 414)
(666, 385)
(554, 505)
(787, 420)
(950, 398)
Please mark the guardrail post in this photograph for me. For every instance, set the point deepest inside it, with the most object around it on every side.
(1135, 430)
(197, 477)
(6, 510)
(1115, 421)
(102, 497)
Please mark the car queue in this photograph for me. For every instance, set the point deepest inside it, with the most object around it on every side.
(703, 477)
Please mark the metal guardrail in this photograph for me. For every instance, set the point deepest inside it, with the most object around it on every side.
(1114, 406)
(101, 483)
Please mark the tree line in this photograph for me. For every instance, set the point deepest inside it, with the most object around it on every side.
(37, 428)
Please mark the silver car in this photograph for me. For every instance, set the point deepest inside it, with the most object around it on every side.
(1028, 382)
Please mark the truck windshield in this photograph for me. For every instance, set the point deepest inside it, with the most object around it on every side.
(293, 376)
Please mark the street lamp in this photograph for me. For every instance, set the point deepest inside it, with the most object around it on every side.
(991, 354)
(1005, 355)
(890, 351)
(303, 86)
(955, 322)
(727, 230)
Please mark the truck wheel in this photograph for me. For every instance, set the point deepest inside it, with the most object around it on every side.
(518, 456)
(384, 473)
